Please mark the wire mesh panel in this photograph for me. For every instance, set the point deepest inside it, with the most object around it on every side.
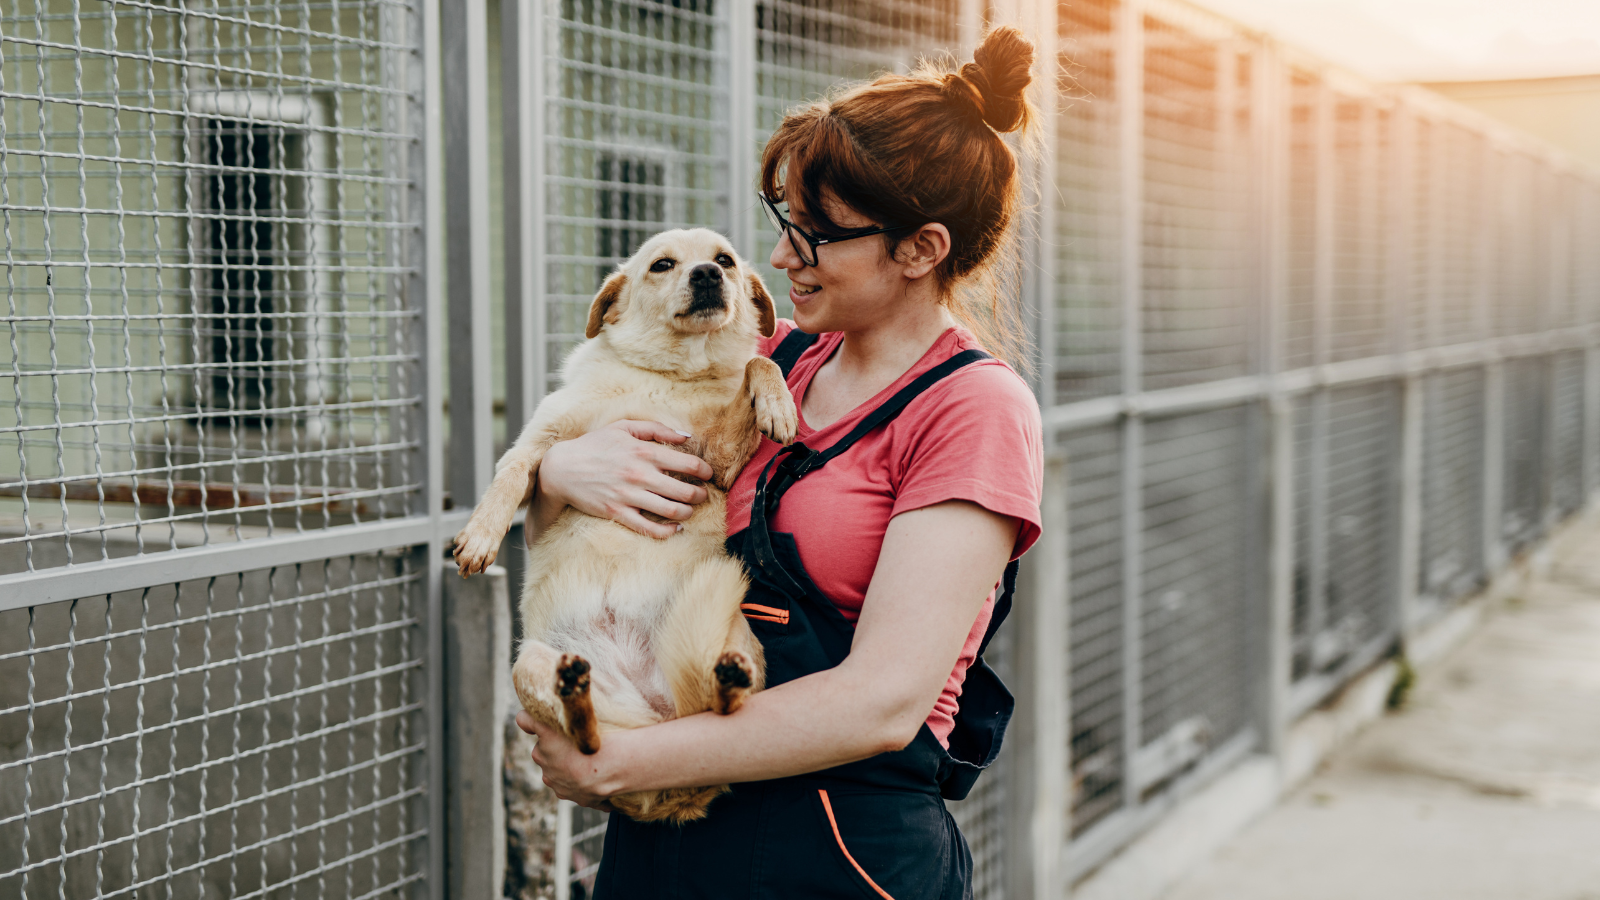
(1567, 423)
(244, 736)
(206, 241)
(1459, 160)
(1363, 509)
(1193, 264)
(1346, 519)
(1359, 322)
(1305, 123)
(1094, 498)
(1450, 560)
(1197, 587)
(636, 140)
(1526, 445)
(1088, 290)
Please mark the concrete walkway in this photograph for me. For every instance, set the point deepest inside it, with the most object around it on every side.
(1486, 787)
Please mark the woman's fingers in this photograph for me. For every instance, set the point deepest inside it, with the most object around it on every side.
(636, 521)
(684, 463)
(650, 431)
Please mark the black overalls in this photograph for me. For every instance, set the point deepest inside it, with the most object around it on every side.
(873, 829)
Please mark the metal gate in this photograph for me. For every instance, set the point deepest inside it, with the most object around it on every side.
(217, 646)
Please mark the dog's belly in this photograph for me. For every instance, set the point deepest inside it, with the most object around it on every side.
(621, 661)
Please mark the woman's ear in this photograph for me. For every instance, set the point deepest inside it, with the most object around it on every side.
(764, 305)
(600, 311)
(922, 252)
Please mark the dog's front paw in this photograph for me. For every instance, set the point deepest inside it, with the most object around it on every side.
(776, 416)
(736, 674)
(475, 549)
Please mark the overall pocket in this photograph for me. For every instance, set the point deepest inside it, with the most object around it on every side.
(893, 845)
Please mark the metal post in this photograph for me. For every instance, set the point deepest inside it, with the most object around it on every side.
(428, 157)
(742, 138)
(1322, 263)
(1494, 380)
(1043, 266)
(1038, 766)
(464, 36)
(522, 116)
(1270, 139)
(1129, 38)
(477, 696)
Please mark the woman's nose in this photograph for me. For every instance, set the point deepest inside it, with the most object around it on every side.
(783, 255)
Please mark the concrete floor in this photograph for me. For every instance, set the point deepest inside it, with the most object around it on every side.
(1486, 786)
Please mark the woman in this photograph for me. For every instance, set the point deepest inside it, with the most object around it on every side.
(876, 548)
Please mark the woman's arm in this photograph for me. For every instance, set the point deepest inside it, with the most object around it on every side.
(937, 566)
(613, 473)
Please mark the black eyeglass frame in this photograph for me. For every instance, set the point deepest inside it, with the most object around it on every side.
(786, 227)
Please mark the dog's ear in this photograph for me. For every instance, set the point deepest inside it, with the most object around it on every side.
(764, 306)
(600, 313)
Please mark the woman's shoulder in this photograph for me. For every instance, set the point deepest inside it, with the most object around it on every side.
(990, 384)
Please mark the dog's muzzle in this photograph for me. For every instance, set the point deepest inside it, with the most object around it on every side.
(705, 289)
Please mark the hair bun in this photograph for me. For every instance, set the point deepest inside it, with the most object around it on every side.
(992, 84)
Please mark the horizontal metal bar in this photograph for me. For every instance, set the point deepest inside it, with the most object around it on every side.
(1194, 398)
(133, 573)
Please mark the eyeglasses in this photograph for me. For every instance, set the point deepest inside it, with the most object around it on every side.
(806, 247)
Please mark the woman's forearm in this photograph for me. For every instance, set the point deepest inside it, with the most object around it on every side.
(826, 719)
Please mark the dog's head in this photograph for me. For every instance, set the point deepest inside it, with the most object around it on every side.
(681, 284)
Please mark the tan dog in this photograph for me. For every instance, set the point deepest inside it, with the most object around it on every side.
(622, 630)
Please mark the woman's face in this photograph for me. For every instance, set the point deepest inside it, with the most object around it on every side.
(854, 285)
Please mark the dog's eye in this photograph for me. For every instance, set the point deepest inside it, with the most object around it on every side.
(724, 260)
(662, 264)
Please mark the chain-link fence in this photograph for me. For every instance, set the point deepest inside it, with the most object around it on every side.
(1320, 357)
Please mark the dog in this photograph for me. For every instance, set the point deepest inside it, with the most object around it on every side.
(623, 630)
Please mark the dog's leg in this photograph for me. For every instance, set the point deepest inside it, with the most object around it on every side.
(704, 646)
(763, 406)
(479, 542)
(556, 689)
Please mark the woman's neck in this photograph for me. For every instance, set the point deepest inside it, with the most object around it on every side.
(869, 360)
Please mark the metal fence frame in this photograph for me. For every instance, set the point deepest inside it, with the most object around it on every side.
(1382, 275)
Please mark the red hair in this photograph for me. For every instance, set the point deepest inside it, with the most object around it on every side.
(915, 149)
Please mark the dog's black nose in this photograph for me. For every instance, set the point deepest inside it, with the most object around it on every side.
(705, 274)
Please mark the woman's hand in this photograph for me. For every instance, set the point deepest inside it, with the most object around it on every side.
(570, 774)
(615, 472)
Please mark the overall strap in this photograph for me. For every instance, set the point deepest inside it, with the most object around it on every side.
(794, 461)
(789, 350)
(798, 459)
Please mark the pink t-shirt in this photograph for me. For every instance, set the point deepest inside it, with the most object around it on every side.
(975, 435)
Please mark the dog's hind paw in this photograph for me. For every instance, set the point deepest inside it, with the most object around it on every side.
(572, 683)
(572, 675)
(735, 676)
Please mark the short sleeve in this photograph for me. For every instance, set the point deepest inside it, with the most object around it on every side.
(976, 437)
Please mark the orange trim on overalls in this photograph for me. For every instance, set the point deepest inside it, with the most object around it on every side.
(765, 613)
(828, 807)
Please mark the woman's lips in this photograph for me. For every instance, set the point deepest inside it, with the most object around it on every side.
(798, 298)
